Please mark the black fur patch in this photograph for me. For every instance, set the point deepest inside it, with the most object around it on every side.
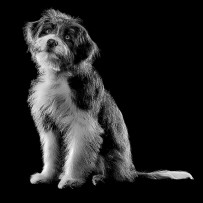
(81, 52)
(87, 88)
(47, 26)
(48, 123)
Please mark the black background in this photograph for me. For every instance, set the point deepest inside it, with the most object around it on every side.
(149, 63)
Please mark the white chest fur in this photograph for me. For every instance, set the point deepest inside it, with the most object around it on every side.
(49, 95)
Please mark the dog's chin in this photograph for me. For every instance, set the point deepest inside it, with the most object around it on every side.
(48, 61)
(54, 60)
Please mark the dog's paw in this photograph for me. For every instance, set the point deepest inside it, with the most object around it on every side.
(97, 179)
(39, 178)
(67, 182)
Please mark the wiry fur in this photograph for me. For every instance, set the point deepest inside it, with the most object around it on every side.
(81, 129)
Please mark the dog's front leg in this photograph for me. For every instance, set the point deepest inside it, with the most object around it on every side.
(82, 156)
(74, 165)
(50, 152)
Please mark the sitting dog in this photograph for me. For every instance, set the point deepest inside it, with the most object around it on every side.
(82, 131)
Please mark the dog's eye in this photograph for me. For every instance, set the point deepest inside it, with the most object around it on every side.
(47, 31)
(67, 37)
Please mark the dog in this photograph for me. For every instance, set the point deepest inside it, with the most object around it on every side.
(82, 131)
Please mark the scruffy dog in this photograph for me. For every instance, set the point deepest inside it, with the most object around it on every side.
(81, 129)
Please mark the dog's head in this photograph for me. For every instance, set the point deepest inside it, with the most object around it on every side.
(58, 41)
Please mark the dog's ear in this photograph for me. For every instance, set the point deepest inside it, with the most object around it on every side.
(85, 49)
(30, 30)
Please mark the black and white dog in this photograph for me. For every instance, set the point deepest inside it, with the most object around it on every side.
(81, 129)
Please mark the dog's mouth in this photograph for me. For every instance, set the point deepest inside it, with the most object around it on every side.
(59, 63)
(49, 50)
(54, 58)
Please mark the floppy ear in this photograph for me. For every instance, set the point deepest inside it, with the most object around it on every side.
(30, 31)
(85, 49)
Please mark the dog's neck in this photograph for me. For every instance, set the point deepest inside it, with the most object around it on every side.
(53, 74)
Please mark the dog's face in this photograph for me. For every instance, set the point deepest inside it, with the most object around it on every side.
(57, 41)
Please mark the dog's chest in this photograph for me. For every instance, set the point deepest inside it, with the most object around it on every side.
(51, 98)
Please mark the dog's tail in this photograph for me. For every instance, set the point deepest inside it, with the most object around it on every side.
(166, 174)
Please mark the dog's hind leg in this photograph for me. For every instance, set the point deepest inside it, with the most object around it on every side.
(100, 175)
(50, 152)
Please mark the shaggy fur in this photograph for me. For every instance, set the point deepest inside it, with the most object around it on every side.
(82, 131)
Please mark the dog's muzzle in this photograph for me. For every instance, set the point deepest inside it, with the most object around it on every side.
(51, 44)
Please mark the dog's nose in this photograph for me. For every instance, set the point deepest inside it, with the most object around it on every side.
(52, 43)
